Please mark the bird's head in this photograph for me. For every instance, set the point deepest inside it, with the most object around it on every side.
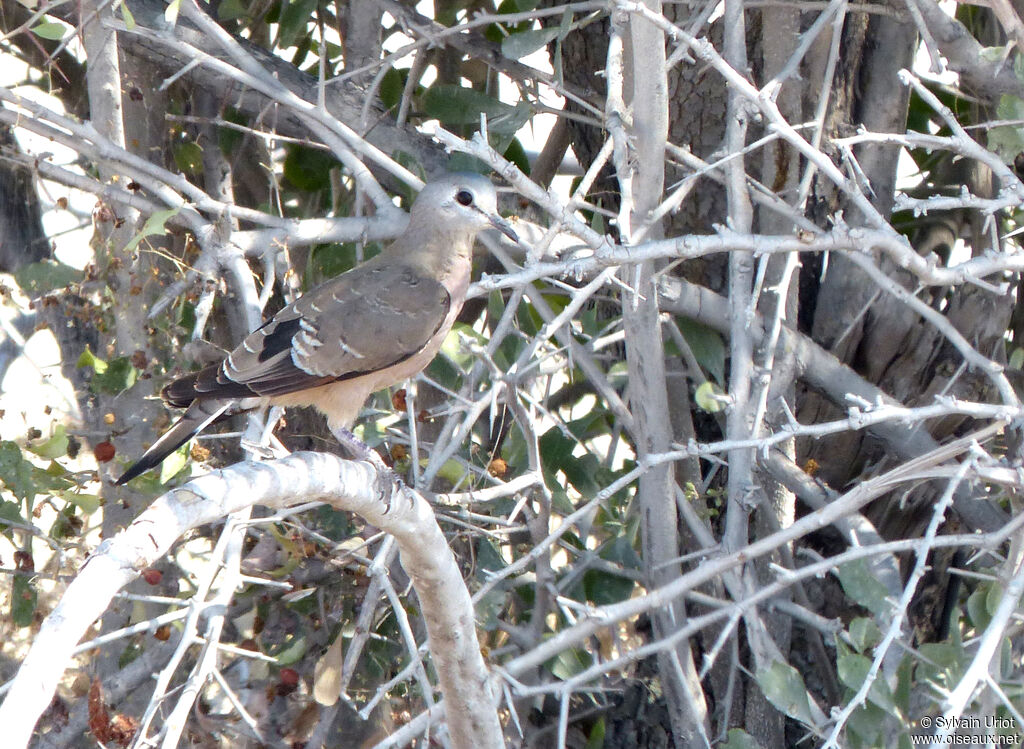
(460, 204)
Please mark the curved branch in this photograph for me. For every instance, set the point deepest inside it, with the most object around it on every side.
(301, 477)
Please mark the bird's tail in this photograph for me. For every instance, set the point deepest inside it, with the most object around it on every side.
(196, 418)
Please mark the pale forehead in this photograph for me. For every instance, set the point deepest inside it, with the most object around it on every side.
(477, 183)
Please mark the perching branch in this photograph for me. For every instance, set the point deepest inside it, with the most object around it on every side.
(301, 477)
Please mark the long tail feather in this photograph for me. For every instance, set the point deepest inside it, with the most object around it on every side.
(198, 416)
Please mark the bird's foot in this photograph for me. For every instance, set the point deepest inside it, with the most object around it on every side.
(388, 481)
(355, 447)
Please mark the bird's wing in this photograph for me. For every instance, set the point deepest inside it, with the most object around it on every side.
(363, 321)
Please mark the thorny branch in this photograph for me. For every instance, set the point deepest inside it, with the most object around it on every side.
(571, 260)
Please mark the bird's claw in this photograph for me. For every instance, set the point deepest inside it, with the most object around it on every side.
(388, 482)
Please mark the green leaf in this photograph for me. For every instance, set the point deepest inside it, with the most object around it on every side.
(454, 345)
(155, 224)
(602, 587)
(560, 501)
(589, 426)
(709, 397)
(784, 687)
(502, 129)
(456, 105)
(228, 138)
(334, 524)
(118, 376)
(864, 633)
(330, 260)
(527, 42)
(866, 723)
(303, 48)
(463, 162)
(129, 655)
(188, 156)
(89, 359)
(977, 609)
(444, 371)
(941, 663)
(582, 472)
(55, 447)
(171, 13)
(87, 503)
(231, 10)
(50, 30)
(620, 551)
(129, 19)
(595, 739)
(55, 476)
(308, 169)
(370, 432)
(174, 463)
(904, 684)
(1007, 656)
(488, 557)
(453, 472)
(487, 610)
(63, 526)
(293, 652)
(392, 85)
(740, 739)
(295, 19)
(517, 155)
(707, 346)
(994, 597)
(11, 512)
(44, 276)
(565, 24)
(569, 662)
(496, 32)
(23, 600)
(410, 162)
(862, 587)
(557, 64)
(15, 472)
(853, 670)
(1016, 359)
(556, 449)
(1008, 140)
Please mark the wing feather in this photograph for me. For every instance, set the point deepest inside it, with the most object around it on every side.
(363, 321)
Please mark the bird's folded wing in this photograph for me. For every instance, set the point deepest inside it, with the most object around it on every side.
(361, 322)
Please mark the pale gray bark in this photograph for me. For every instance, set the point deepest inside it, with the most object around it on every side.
(300, 478)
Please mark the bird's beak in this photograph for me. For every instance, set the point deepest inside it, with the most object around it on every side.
(504, 227)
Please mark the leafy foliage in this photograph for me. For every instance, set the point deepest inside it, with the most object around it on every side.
(522, 398)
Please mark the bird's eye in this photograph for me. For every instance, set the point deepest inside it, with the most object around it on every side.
(464, 197)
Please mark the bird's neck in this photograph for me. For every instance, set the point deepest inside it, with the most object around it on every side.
(453, 261)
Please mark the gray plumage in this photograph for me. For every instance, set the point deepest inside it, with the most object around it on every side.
(372, 327)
